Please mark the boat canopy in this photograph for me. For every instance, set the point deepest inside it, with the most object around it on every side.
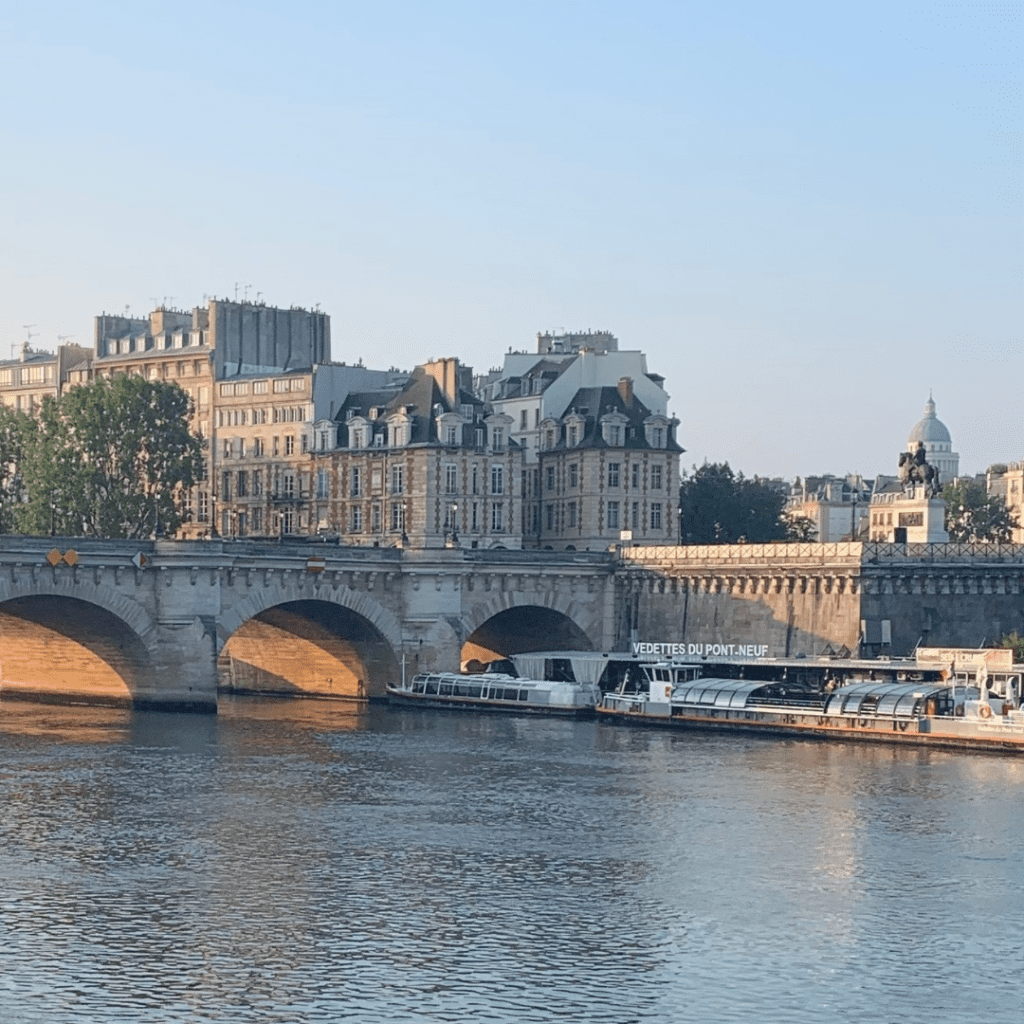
(875, 698)
(587, 666)
(721, 693)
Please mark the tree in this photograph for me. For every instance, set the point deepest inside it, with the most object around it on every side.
(14, 427)
(973, 515)
(721, 507)
(1016, 643)
(799, 527)
(109, 459)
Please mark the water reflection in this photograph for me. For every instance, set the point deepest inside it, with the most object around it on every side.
(316, 861)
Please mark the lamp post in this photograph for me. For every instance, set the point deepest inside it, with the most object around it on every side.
(454, 508)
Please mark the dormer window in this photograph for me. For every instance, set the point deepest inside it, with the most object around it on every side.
(497, 439)
(357, 438)
(451, 435)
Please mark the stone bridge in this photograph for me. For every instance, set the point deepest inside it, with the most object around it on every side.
(168, 623)
(171, 623)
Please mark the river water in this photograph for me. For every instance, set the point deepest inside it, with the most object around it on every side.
(299, 861)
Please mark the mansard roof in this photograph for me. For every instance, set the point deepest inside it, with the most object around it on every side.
(420, 399)
(591, 404)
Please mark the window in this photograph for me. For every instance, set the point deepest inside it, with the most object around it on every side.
(276, 447)
(243, 483)
(659, 437)
(226, 448)
(497, 479)
(257, 486)
(243, 524)
(549, 439)
(288, 521)
(634, 516)
(655, 515)
(204, 507)
(523, 419)
(259, 387)
(451, 435)
(549, 516)
(634, 476)
(613, 435)
(497, 517)
(573, 435)
(226, 390)
(398, 479)
(497, 439)
(475, 517)
(257, 447)
(323, 440)
(451, 478)
(574, 474)
(479, 437)
(570, 520)
(475, 475)
(397, 516)
(355, 482)
(656, 478)
(375, 515)
(613, 474)
(257, 520)
(288, 485)
(613, 515)
(549, 477)
(305, 443)
(280, 386)
(321, 483)
(289, 444)
(356, 438)
(355, 519)
(241, 447)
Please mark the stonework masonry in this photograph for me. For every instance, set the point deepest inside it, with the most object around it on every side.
(169, 623)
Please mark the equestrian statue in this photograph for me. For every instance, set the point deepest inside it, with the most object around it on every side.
(916, 469)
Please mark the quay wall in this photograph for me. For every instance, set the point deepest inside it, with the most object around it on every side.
(811, 599)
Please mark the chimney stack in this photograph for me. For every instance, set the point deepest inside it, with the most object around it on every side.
(626, 391)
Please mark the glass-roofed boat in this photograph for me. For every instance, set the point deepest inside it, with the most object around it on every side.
(965, 699)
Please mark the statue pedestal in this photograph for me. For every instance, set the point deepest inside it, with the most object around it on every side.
(908, 517)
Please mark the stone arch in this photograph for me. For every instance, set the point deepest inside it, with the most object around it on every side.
(290, 640)
(511, 622)
(62, 641)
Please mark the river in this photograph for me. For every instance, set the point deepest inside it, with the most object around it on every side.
(301, 861)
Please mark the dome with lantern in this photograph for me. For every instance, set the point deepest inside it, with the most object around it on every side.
(938, 445)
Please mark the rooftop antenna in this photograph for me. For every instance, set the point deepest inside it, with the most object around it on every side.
(155, 301)
(245, 293)
(127, 311)
(168, 300)
(236, 291)
(64, 337)
(31, 334)
(258, 294)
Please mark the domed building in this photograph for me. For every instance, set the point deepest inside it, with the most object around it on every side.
(938, 445)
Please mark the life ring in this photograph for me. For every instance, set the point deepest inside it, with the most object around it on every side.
(984, 711)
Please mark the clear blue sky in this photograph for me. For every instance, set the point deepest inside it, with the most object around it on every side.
(806, 214)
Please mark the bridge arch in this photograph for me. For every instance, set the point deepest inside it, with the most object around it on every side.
(511, 622)
(326, 643)
(65, 641)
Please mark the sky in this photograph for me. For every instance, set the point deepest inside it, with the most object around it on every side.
(807, 215)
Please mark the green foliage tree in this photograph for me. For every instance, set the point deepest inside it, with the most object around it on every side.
(719, 506)
(974, 515)
(1016, 643)
(109, 459)
(14, 428)
(800, 528)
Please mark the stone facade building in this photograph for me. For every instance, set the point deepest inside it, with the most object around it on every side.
(36, 374)
(837, 506)
(423, 466)
(607, 471)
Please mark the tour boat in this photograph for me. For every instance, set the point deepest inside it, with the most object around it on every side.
(496, 691)
(967, 706)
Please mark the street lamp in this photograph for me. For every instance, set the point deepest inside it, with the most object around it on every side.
(454, 507)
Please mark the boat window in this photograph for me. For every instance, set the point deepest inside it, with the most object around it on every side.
(474, 691)
(430, 686)
(417, 686)
(523, 695)
(444, 689)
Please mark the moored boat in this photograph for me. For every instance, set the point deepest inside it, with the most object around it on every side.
(495, 691)
(963, 706)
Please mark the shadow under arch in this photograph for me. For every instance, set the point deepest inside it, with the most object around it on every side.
(524, 627)
(64, 649)
(308, 647)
